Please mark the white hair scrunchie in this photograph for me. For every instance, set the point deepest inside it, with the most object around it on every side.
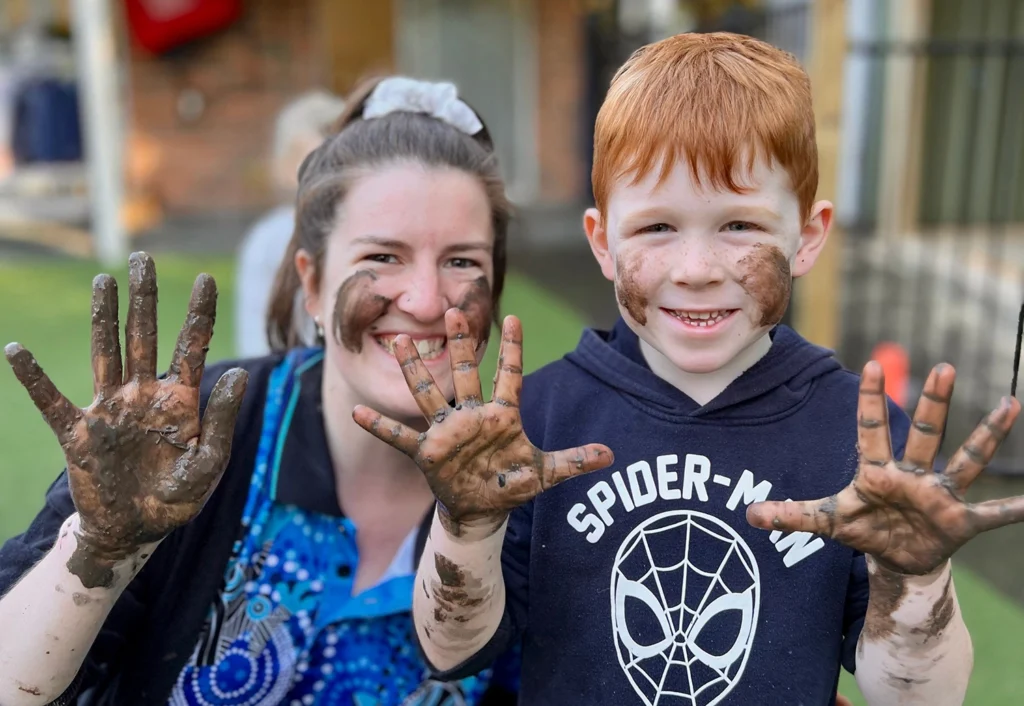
(439, 100)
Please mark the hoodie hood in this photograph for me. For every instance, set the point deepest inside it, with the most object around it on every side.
(775, 385)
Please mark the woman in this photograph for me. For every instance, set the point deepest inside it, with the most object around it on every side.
(266, 554)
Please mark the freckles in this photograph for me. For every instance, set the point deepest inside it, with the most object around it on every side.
(356, 307)
(768, 281)
(628, 290)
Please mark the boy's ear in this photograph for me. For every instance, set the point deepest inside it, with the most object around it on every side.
(597, 236)
(813, 238)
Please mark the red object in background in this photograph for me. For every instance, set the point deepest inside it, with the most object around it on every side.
(160, 25)
(896, 367)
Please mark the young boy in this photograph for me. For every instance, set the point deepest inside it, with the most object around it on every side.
(651, 580)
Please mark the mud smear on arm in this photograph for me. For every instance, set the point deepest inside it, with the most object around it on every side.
(940, 615)
(888, 590)
(356, 307)
(769, 282)
(458, 599)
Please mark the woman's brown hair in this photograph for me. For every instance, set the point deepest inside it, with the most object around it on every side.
(356, 145)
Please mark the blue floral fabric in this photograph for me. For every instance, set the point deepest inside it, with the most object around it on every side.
(287, 628)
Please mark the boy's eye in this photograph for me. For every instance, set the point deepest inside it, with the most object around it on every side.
(740, 227)
(656, 228)
(382, 258)
(463, 262)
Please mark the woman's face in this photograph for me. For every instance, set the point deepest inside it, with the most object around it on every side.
(409, 243)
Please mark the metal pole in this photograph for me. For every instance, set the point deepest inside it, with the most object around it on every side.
(101, 117)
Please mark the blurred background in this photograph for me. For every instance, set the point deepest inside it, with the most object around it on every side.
(151, 124)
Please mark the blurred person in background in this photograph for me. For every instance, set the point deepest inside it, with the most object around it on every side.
(299, 129)
(227, 534)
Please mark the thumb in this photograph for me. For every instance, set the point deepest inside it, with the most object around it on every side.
(218, 426)
(560, 466)
(815, 516)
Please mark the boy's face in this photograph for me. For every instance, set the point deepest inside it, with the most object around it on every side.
(701, 274)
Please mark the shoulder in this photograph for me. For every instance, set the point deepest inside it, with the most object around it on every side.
(557, 382)
(561, 396)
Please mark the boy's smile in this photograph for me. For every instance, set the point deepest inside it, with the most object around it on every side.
(702, 274)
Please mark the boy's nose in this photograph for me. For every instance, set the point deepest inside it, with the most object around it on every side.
(695, 264)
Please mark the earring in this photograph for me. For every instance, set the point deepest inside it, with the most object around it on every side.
(319, 327)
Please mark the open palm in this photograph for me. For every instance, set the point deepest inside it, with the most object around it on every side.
(140, 463)
(476, 456)
(909, 518)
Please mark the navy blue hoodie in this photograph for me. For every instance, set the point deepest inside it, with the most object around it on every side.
(644, 583)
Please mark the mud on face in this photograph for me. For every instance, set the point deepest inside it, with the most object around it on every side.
(768, 281)
(628, 290)
(478, 304)
(356, 307)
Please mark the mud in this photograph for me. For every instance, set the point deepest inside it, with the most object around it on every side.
(628, 290)
(888, 590)
(941, 613)
(356, 307)
(106, 342)
(768, 281)
(478, 305)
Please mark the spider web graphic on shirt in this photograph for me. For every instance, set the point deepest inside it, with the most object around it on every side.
(692, 568)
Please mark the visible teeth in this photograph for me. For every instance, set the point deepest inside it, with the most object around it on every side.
(428, 348)
(701, 319)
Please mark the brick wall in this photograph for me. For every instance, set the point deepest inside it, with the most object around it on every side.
(218, 161)
(560, 47)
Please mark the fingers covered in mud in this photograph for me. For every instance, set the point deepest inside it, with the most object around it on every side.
(978, 451)
(814, 516)
(218, 425)
(462, 348)
(428, 397)
(508, 378)
(57, 410)
(929, 423)
(189, 358)
(560, 466)
(107, 372)
(873, 437)
(993, 514)
(389, 431)
(140, 330)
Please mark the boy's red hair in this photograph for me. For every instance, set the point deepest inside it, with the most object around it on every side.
(712, 99)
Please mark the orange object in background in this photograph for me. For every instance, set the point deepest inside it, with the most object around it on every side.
(896, 366)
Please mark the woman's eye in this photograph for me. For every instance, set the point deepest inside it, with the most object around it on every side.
(382, 258)
(462, 262)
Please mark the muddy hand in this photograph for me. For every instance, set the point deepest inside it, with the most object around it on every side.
(476, 456)
(908, 517)
(139, 462)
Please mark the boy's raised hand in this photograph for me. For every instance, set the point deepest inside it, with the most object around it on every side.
(476, 456)
(908, 517)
